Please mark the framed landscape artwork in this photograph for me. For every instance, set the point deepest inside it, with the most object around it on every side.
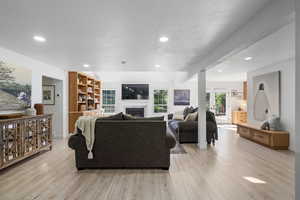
(49, 94)
(181, 97)
(266, 93)
(15, 87)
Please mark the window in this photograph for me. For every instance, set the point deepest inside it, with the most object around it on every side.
(207, 101)
(109, 100)
(160, 101)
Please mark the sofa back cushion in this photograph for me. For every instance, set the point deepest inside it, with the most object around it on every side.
(130, 142)
(118, 116)
(130, 117)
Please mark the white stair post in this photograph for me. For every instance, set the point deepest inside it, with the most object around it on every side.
(202, 110)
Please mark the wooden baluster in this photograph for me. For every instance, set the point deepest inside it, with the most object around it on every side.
(6, 150)
(50, 131)
(1, 145)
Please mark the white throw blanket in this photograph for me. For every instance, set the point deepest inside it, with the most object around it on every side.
(87, 126)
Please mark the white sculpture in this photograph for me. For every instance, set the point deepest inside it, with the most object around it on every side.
(262, 107)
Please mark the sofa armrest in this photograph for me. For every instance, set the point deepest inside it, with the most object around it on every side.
(170, 140)
(76, 141)
(170, 116)
(188, 126)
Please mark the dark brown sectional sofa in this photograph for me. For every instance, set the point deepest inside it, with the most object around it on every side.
(126, 143)
(187, 131)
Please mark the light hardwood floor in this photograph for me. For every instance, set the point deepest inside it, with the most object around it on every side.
(215, 174)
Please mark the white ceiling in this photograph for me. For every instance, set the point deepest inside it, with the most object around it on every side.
(105, 32)
(272, 49)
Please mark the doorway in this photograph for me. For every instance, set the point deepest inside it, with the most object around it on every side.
(56, 107)
(218, 102)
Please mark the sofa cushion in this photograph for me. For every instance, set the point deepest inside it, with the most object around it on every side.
(160, 118)
(129, 117)
(191, 117)
(118, 116)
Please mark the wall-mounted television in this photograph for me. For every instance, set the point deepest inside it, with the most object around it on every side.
(135, 91)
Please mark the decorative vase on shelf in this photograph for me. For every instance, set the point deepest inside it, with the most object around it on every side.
(39, 108)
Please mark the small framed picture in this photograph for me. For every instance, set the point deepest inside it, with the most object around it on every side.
(49, 94)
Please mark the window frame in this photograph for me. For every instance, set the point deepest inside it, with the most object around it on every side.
(112, 105)
(167, 100)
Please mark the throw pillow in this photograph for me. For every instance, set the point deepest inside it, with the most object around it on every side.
(274, 123)
(178, 117)
(186, 111)
(191, 117)
(265, 126)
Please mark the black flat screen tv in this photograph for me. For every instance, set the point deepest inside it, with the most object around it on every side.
(135, 91)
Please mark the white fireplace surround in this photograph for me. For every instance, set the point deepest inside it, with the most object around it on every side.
(135, 105)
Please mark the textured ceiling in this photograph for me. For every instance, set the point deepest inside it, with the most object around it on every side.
(103, 33)
(272, 49)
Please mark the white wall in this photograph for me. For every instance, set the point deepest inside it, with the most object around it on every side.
(230, 85)
(170, 86)
(297, 91)
(156, 80)
(39, 70)
(164, 80)
(287, 69)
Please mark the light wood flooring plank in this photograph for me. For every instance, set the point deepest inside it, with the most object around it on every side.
(216, 174)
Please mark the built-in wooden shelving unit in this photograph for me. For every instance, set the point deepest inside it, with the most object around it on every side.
(84, 96)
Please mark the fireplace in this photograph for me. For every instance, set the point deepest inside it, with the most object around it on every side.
(136, 112)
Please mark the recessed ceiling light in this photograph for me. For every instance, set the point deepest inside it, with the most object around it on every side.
(163, 39)
(86, 65)
(39, 38)
(157, 66)
(123, 62)
(248, 58)
(219, 70)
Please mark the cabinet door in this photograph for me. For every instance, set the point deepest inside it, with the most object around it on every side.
(244, 132)
(261, 137)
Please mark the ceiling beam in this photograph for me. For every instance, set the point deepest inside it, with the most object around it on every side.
(268, 20)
